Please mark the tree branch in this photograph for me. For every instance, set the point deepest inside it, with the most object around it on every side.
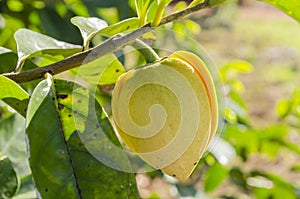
(109, 46)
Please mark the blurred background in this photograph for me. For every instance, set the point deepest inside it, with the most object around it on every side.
(256, 50)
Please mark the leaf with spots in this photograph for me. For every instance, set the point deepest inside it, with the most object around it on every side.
(103, 71)
(59, 126)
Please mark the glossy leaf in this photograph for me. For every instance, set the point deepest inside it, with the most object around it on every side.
(12, 94)
(141, 8)
(4, 50)
(8, 179)
(61, 165)
(12, 142)
(9, 88)
(290, 7)
(196, 2)
(30, 43)
(120, 27)
(88, 27)
(161, 6)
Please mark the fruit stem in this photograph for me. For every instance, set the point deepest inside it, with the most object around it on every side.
(149, 54)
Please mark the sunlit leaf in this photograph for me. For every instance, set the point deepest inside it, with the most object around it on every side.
(88, 27)
(4, 50)
(184, 28)
(9, 88)
(160, 9)
(290, 7)
(223, 151)
(8, 179)
(245, 141)
(239, 66)
(152, 11)
(196, 2)
(61, 165)
(141, 8)
(30, 43)
(214, 176)
(104, 70)
(12, 94)
(120, 27)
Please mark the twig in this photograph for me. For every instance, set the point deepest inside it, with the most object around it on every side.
(108, 46)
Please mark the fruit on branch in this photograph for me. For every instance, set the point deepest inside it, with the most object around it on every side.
(167, 112)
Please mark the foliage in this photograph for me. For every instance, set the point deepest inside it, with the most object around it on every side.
(56, 162)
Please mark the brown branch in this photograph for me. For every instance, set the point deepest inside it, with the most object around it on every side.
(108, 46)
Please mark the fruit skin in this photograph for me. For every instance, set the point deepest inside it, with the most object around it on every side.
(207, 79)
(172, 98)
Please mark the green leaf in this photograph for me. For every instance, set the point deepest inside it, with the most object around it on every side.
(295, 168)
(104, 70)
(141, 8)
(245, 141)
(27, 188)
(12, 94)
(280, 188)
(62, 166)
(88, 27)
(4, 50)
(8, 61)
(12, 142)
(160, 9)
(290, 7)
(120, 27)
(196, 2)
(55, 21)
(238, 177)
(214, 176)
(30, 43)
(8, 179)
(9, 88)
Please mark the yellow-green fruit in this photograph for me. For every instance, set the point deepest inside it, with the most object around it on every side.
(204, 74)
(164, 112)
